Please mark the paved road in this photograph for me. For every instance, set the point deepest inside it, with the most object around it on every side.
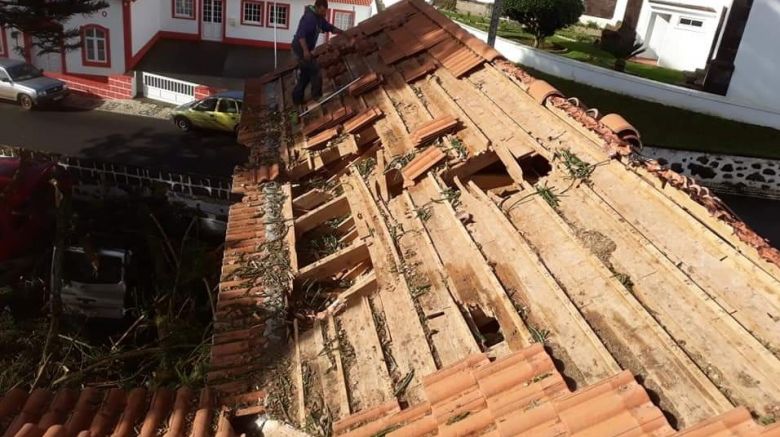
(118, 138)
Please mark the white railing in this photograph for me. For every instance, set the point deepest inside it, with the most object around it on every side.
(166, 89)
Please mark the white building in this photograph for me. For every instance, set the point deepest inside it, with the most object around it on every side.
(678, 34)
(115, 39)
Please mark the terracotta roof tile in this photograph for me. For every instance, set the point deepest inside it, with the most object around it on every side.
(360, 121)
(421, 164)
(366, 83)
(416, 71)
(433, 129)
(321, 139)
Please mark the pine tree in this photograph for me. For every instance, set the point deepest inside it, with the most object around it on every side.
(47, 21)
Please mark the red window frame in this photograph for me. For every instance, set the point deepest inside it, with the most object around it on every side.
(268, 15)
(262, 13)
(333, 16)
(184, 17)
(3, 43)
(86, 62)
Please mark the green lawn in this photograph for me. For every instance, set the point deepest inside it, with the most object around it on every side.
(675, 128)
(577, 42)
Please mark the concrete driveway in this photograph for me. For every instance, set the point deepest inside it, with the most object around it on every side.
(210, 63)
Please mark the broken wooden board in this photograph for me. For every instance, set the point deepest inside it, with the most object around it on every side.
(476, 286)
(629, 332)
(368, 381)
(335, 208)
(585, 358)
(334, 263)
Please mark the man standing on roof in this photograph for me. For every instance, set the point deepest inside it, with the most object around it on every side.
(311, 25)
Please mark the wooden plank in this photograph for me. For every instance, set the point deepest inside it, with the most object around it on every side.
(311, 199)
(334, 263)
(287, 215)
(475, 283)
(366, 372)
(335, 208)
(448, 330)
(298, 377)
(408, 344)
(630, 333)
(381, 176)
(339, 389)
(547, 307)
(708, 334)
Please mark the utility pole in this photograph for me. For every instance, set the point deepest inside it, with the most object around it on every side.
(498, 7)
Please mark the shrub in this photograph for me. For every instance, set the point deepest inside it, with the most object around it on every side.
(622, 43)
(541, 18)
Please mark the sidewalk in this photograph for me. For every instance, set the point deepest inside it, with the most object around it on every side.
(139, 107)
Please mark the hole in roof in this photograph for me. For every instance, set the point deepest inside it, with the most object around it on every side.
(488, 327)
(534, 168)
(494, 178)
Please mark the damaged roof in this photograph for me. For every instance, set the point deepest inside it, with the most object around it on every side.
(452, 246)
(448, 203)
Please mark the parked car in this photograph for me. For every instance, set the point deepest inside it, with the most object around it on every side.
(94, 285)
(220, 112)
(26, 84)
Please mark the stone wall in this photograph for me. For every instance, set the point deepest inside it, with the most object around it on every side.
(734, 174)
(474, 8)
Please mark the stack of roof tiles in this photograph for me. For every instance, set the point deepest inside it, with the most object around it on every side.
(328, 120)
(433, 129)
(523, 394)
(366, 83)
(238, 338)
(114, 412)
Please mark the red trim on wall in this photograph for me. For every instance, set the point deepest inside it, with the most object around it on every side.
(268, 15)
(27, 39)
(63, 58)
(199, 14)
(84, 61)
(127, 23)
(257, 43)
(184, 17)
(224, 19)
(3, 42)
(262, 13)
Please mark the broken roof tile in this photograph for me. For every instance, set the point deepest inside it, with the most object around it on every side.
(416, 71)
(360, 121)
(366, 83)
(321, 139)
(433, 129)
(421, 164)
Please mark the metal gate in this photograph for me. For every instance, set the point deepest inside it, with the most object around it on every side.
(166, 89)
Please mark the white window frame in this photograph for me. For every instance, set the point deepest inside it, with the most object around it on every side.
(270, 19)
(260, 13)
(350, 14)
(181, 6)
(93, 40)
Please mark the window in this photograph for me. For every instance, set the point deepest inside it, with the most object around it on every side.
(690, 22)
(184, 9)
(208, 105)
(343, 19)
(212, 11)
(252, 13)
(95, 50)
(228, 106)
(278, 15)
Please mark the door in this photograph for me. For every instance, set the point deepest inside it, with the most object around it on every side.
(213, 15)
(227, 114)
(659, 25)
(6, 88)
(204, 114)
(47, 61)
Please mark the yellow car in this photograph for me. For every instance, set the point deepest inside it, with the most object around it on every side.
(220, 111)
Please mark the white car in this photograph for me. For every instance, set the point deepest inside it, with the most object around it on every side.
(94, 287)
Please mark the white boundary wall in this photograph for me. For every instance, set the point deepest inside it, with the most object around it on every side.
(633, 86)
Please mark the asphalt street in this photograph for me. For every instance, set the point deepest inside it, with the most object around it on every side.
(119, 138)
